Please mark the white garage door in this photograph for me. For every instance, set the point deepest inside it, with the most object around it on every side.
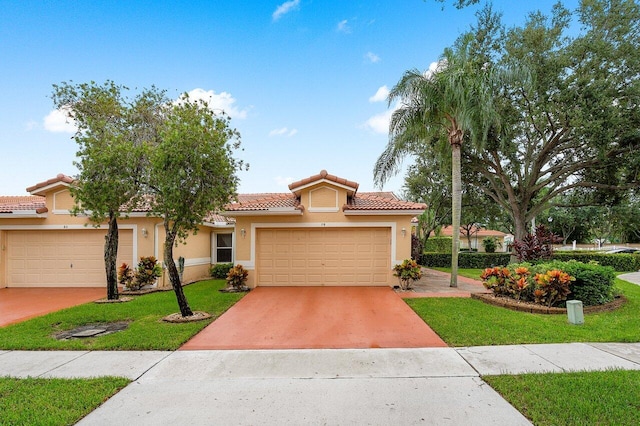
(61, 258)
(328, 256)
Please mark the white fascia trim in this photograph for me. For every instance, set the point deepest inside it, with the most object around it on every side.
(197, 261)
(61, 227)
(24, 214)
(67, 212)
(330, 182)
(382, 212)
(48, 187)
(246, 264)
(269, 212)
(256, 226)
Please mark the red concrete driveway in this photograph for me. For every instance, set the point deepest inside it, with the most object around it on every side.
(317, 317)
(19, 304)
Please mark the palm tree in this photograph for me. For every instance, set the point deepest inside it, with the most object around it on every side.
(454, 103)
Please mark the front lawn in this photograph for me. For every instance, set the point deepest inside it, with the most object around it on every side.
(53, 401)
(146, 329)
(469, 322)
(582, 398)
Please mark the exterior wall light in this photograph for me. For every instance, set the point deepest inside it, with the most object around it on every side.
(144, 232)
(404, 232)
(243, 232)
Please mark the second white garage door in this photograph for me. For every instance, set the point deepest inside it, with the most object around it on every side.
(327, 256)
(61, 258)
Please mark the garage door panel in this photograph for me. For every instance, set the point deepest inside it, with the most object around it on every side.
(339, 256)
(72, 258)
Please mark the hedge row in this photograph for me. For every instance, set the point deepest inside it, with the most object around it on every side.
(471, 260)
(619, 262)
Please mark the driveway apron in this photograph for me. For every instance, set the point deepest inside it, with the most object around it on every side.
(20, 304)
(317, 318)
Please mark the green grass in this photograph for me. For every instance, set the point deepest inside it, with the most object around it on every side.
(53, 401)
(146, 330)
(584, 398)
(469, 273)
(469, 322)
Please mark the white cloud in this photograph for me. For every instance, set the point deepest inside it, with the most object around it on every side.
(372, 57)
(283, 181)
(379, 123)
(219, 101)
(381, 94)
(284, 131)
(433, 67)
(284, 8)
(58, 121)
(343, 27)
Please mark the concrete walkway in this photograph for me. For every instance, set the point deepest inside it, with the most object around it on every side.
(323, 386)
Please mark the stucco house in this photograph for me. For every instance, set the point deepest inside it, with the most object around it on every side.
(321, 232)
(477, 235)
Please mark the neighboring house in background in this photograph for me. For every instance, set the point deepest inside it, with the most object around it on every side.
(477, 235)
(321, 233)
(43, 245)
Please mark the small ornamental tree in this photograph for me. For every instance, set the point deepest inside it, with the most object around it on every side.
(111, 132)
(192, 173)
(536, 246)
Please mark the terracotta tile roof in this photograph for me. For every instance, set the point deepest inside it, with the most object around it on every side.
(256, 202)
(446, 232)
(10, 204)
(380, 201)
(320, 176)
(218, 218)
(364, 201)
(60, 178)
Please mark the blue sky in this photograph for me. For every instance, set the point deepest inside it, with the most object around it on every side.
(299, 78)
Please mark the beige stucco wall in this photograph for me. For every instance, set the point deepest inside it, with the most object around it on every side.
(148, 235)
(245, 245)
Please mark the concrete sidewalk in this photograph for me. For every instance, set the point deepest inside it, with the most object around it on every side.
(323, 386)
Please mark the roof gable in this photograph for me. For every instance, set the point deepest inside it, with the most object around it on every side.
(324, 177)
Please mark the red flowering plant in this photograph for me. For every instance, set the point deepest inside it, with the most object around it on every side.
(504, 281)
(552, 287)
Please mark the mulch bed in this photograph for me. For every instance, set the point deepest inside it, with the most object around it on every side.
(178, 318)
(517, 305)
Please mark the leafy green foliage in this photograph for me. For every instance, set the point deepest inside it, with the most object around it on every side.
(621, 262)
(220, 270)
(593, 284)
(112, 133)
(192, 172)
(490, 244)
(466, 260)
(438, 245)
(34, 401)
(504, 281)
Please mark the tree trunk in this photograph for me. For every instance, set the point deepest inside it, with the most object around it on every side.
(174, 276)
(111, 256)
(456, 204)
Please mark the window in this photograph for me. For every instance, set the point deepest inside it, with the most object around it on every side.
(224, 248)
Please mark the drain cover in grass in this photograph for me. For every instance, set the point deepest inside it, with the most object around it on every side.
(92, 330)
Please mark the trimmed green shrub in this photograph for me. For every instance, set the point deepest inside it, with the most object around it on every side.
(593, 283)
(438, 245)
(466, 260)
(220, 270)
(620, 262)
